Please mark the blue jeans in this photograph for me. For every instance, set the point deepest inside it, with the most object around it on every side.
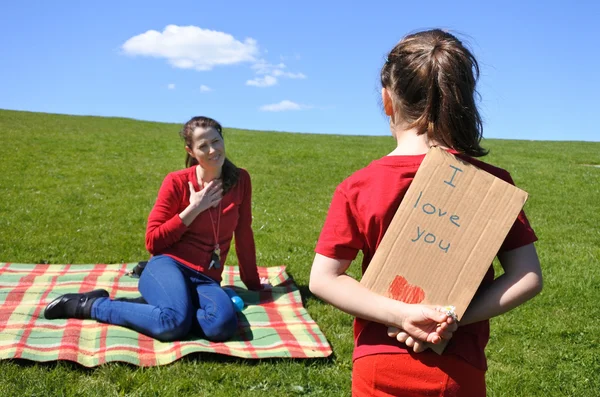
(179, 299)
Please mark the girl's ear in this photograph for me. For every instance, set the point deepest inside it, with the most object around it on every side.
(189, 151)
(386, 98)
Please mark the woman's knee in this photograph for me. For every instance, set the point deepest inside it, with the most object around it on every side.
(172, 326)
(221, 328)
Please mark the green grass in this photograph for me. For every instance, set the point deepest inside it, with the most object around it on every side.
(79, 189)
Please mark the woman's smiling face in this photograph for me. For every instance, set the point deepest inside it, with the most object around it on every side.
(207, 148)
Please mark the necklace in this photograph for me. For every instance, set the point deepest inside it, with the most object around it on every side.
(215, 260)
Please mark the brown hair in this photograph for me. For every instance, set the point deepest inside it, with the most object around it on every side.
(432, 76)
(230, 173)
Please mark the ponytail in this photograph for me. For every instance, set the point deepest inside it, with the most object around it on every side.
(433, 78)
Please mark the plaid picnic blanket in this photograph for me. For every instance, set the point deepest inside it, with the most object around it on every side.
(273, 324)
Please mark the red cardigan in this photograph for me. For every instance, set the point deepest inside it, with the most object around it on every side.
(193, 246)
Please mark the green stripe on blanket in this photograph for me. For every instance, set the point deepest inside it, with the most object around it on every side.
(273, 324)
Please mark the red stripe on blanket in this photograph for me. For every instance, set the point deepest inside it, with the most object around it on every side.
(75, 349)
(104, 327)
(274, 316)
(220, 348)
(3, 269)
(177, 348)
(39, 272)
(5, 314)
(103, 334)
(14, 297)
(86, 286)
(142, 351)
(73, 329)
(25, 283)
(250, 349)
(146, 343)
(297, 305)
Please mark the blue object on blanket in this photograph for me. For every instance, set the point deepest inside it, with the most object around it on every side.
(238, 302)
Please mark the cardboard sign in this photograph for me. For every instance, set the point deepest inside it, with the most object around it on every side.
(445, 234)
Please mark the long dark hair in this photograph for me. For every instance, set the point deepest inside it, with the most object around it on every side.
(432, 77)
(230, 173)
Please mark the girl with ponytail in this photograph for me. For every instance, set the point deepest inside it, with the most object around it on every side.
(428, 91)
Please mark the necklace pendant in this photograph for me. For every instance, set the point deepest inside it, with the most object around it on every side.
(215, 261)
(217, 251)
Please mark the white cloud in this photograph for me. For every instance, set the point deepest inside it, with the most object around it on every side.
(263, 67)
(205, 88)
(289, 75)
(171, 86)
(284, 106)
(271, 73)
(266, 81)
(191, 47)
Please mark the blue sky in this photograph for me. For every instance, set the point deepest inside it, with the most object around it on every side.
(310, 66)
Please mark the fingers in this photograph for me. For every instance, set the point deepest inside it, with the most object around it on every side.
(393, 332)
(215, 200)
(210, 187)
(402, 337)
(453, 326)
(445, 327)
(419, 347)
(426, 324)
(445, 335)
(218, 192)
(445, 330)
(215, 184)
(434, 338)
(214, 191)
(435, 315)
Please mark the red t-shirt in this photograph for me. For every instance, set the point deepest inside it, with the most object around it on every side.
(362, 209)
(193, 246)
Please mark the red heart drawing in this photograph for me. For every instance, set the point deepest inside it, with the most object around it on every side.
(402, 291)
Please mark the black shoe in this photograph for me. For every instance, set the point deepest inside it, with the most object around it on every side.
(136, 272)
(73, 305)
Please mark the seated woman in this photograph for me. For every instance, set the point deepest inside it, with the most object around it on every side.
(198, 211)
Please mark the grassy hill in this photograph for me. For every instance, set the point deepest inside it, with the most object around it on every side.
(79, 189)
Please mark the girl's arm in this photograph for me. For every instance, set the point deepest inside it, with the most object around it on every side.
(521, 281)
(329, 282)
